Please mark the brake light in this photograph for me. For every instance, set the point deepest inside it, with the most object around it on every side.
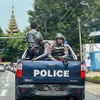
(83, 71)
(19, 72)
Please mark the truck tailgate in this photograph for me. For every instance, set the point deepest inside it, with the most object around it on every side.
(51, 72)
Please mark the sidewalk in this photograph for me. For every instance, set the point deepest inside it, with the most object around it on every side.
(92, 87)
(92, 74)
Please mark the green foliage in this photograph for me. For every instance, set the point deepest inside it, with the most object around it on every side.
(14, 47)
(27, 29)
(1, 31)
(96, 77)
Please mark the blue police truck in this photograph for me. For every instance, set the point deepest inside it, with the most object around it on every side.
(50, 79)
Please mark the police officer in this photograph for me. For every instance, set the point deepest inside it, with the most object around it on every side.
(43, 50)
(59, 48)
(31, 40)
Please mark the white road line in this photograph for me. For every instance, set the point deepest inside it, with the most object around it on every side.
(6, 84)
(7, 78)
(2, 82)
(7, 75)
(7, 81)
(3, 93)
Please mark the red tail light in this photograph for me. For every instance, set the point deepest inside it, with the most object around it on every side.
(19, 72)
(83, 74)
(83, 71)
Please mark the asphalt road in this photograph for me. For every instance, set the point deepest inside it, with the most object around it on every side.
(7, 90)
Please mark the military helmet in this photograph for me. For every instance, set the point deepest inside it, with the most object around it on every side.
(59, 35)
(38, 37)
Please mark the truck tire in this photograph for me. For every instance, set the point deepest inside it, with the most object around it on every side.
(77, 99)
(18, 97)
(68, 98)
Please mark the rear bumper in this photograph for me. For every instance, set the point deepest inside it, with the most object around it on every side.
(31, 90)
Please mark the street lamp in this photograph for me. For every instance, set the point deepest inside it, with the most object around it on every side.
(84, 3)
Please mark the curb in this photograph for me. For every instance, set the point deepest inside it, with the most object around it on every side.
(90, 79)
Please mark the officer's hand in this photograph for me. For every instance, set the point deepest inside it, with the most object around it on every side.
(34, 59)
(50, 49)
(55, 60)
(59, 56)
(32, 48)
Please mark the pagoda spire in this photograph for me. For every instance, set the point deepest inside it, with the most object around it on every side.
(12, 28)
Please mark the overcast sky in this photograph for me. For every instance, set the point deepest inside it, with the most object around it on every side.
(20, 7)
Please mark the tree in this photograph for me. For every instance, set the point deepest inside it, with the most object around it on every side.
(27, 29)
(1, 31)
(13, 48)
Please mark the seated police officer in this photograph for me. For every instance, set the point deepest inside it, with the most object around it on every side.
(59, 49)
(43, 50)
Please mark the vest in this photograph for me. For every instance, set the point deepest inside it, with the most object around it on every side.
(58, 50)
(31, 36)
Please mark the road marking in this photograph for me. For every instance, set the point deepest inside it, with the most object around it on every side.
(3, 82)
(7, 78)
(6, 84)
(7, 81)
(7, 75)
(3, 93)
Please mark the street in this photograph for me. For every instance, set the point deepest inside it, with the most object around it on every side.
(7, 87)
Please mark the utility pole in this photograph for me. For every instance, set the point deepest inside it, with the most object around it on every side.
(80, 40)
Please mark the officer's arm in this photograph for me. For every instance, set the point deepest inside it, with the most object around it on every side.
(46, 52)
(65, 52)
(28, 40)
(50, 54)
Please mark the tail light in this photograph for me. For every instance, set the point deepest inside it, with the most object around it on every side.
(83, 71)
(19, 72)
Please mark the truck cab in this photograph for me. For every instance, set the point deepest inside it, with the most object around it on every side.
(50, 79)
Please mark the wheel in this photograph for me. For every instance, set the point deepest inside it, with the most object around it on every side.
(30, 99)
(18, 97)
(68, 98)
(77, 99)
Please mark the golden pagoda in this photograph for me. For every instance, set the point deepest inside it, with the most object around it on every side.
(12, 28)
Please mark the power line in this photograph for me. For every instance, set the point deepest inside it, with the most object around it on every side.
(60, 11)
(72, 32)
(59, 20)
(72, 11)
(86, 20)
(72, 29)
(65, 15)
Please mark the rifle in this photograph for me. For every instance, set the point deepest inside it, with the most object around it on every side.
(65, 62)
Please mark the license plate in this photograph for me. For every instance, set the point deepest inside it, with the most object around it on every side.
(51, 87)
